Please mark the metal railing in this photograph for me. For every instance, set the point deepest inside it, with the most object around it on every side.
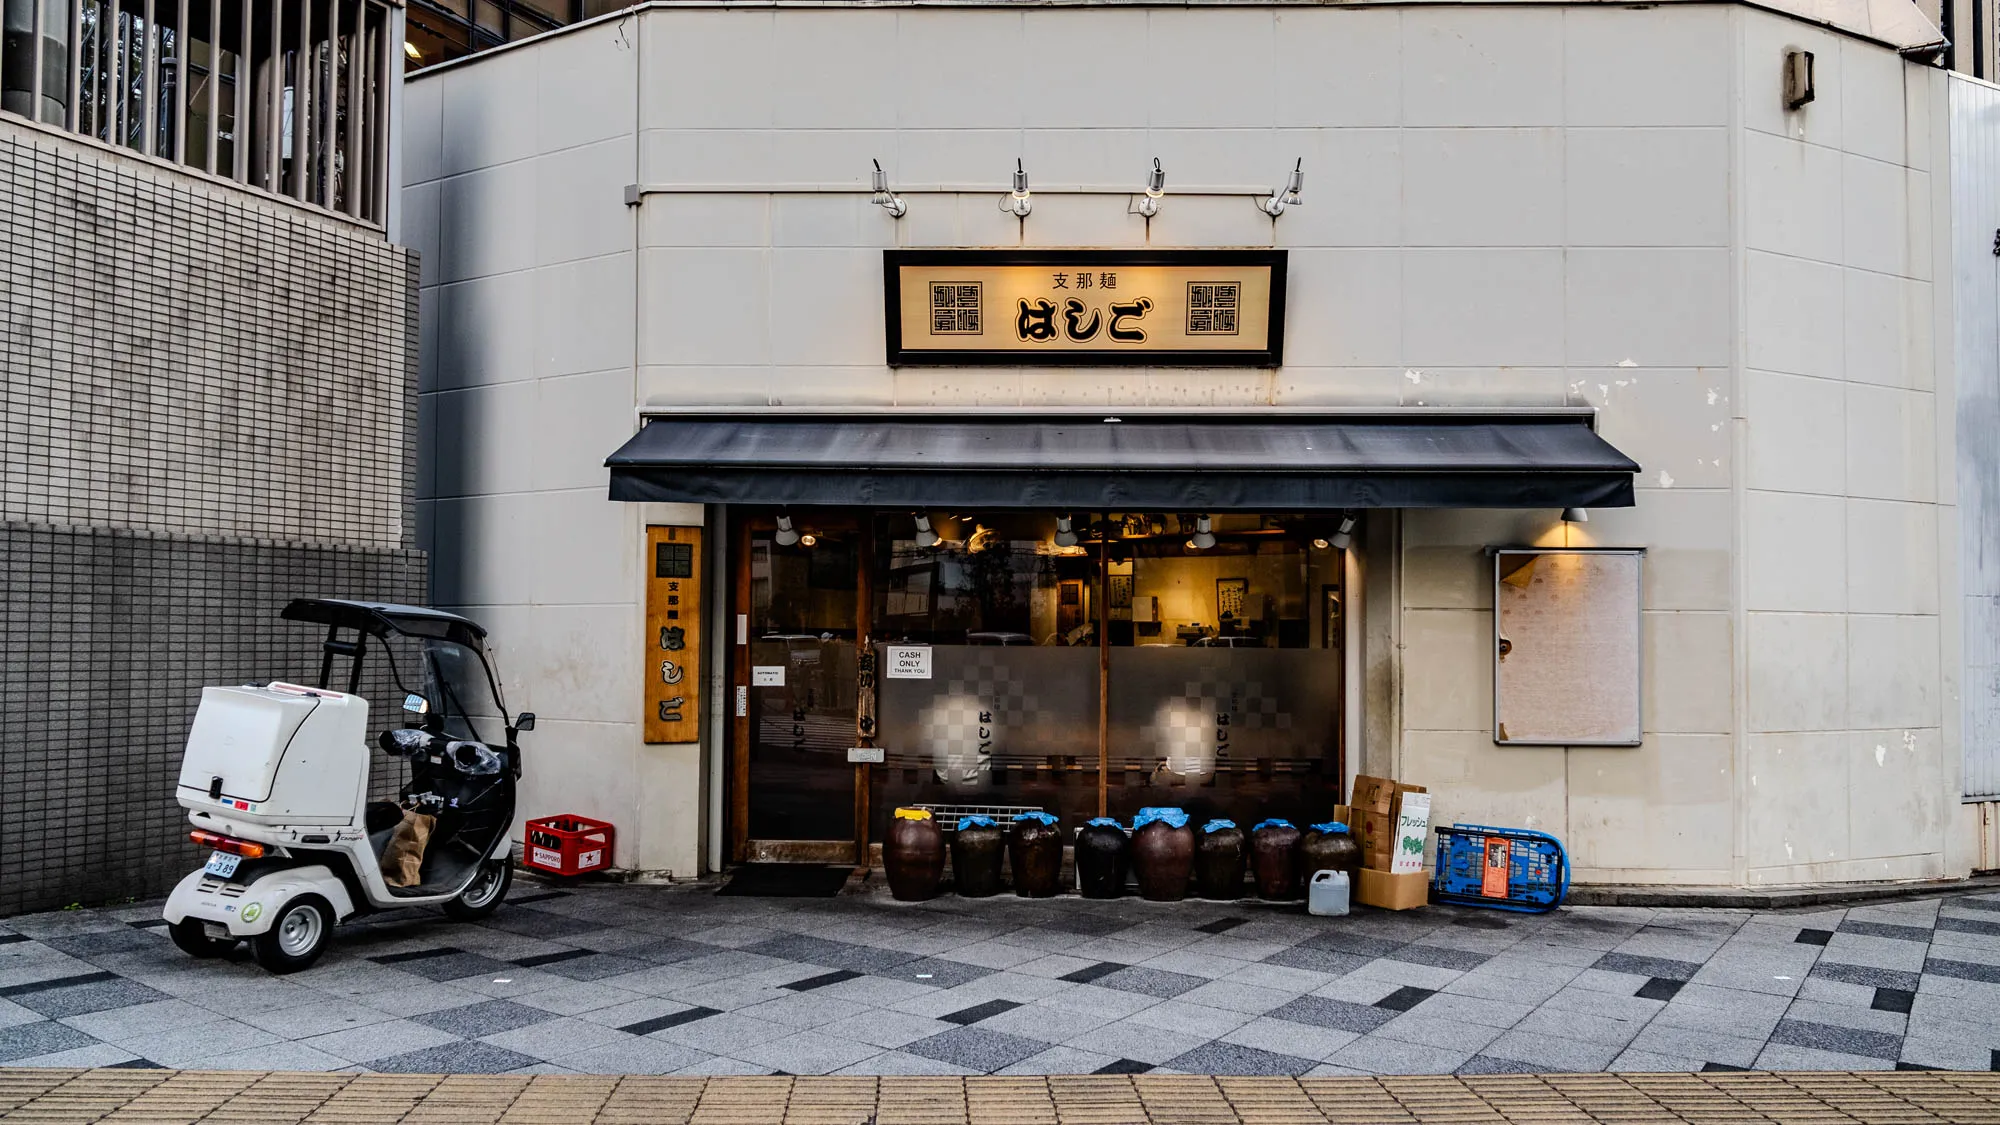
(287, 96)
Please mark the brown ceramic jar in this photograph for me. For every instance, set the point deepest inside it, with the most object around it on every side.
(1219, 861)
(1322, 848)
(976, 851)
(1101, 852)
(913, 855)
(1273, 848)
(1035, 851)
(1162, 859)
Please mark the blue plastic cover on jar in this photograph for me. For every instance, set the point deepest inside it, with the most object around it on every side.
(1330, 827)
(1174, 818)
(1218, 824)
(1274, 822)
(974, 821)
(1037, 817)
(1105, 822)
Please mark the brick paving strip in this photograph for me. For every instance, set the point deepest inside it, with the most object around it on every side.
(53, 1096)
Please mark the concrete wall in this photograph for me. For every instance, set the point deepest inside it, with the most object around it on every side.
(1508, 206)
(207, 408)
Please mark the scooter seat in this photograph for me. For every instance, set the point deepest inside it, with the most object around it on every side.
(382, 816)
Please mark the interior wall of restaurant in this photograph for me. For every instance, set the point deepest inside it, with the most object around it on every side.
(1505, 206)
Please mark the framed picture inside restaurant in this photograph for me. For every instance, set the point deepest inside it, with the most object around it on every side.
(1081, 308)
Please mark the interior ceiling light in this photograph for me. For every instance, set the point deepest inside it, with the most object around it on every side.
(1156, 186)
(1203, 537)
(1320, 543)
(1065, 532)
(1289, 197)
(410, 49)
(884, 198)
(1576, 515)
(809, 540)
(925, 536)
(1343, 536)
(785, 536)
(1019, 202)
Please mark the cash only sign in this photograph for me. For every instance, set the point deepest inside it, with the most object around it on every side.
(1038, 308)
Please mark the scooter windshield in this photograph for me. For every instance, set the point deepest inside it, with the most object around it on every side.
(462, 692)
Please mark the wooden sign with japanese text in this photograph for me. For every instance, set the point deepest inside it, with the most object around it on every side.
(1206, 308)
(673, 634)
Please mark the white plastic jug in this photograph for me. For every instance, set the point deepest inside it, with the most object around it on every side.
(1327, 894)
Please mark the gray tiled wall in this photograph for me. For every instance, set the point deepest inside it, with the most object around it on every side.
(208, 408)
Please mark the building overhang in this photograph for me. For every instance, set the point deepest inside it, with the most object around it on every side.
(1168, 462)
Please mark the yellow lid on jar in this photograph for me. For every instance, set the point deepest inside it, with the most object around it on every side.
(913, 814)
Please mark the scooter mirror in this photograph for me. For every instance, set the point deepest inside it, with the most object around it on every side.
(524, 721)
(416, 703)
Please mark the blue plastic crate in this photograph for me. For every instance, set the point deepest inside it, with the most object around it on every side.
(1537, 868)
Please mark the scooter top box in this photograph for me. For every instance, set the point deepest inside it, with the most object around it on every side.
(276, 755)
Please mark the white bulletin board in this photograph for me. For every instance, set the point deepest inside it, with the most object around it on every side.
(1566, 643)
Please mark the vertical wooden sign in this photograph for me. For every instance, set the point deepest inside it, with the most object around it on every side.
(673, 634)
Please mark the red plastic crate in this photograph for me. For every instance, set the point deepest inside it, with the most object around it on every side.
(569, 844)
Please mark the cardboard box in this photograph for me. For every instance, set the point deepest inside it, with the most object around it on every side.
(1377, 803)
(1404, 890)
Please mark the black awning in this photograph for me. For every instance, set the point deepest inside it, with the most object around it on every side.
(1266, 462)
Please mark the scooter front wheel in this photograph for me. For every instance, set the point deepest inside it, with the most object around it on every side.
(192, 938)
(298, 935)
(485, 893)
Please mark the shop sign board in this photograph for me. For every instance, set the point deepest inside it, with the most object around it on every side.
(1078, 308)
(673, 634)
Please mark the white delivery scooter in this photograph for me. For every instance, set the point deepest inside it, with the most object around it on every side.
(276, 782)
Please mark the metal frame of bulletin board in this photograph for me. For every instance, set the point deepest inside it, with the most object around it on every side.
(1575, 634)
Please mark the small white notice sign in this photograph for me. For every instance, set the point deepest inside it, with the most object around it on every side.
(906, 662)
(767, 675)
(869, 755)
(1413, 827)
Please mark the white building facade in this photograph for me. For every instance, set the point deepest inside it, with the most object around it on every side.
(1579, 215)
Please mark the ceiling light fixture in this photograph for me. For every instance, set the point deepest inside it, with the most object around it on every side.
(1019, 202)
(1203, 537)
(1156, 186)
(808, 540)
(925, 536)
(410, 49)
(1343, 536)
(1065, 532)
(884, 198)
(1275, 206)
(785, 535)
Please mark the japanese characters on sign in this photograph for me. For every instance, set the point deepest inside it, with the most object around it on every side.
(1082, 307)
(673, 634)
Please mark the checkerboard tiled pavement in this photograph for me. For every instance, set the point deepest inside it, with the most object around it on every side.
(656, 980)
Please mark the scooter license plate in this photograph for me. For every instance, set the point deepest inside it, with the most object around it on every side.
(222, 865)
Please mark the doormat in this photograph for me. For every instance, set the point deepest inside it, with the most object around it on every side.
(786, 880)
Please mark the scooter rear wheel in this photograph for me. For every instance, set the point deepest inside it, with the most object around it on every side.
(192, 938)
(485, 893)
(298, 935)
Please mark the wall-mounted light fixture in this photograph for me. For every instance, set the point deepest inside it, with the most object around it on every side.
(1065, 532)
(1343, 536)
(925, 536)
(1156, 186)
(1203, 538)
(786, 535)
(884, 198)
(1576, 515)
(1798, 79)
(1289, 197)
(1018, 201)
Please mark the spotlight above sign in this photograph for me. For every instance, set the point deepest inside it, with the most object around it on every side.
(1085, 308)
